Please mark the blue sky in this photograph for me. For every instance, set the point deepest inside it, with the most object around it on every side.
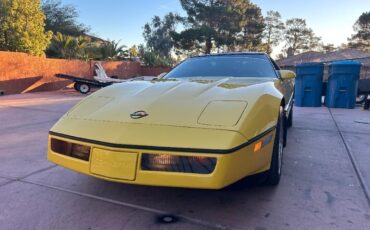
(123, 20)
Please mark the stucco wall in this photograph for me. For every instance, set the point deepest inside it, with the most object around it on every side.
(18, 71)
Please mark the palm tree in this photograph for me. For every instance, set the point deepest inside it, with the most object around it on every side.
(63, 46)
(111, 50)
(83, 46)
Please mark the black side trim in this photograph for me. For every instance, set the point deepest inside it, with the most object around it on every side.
(289, 104)
(169, 149)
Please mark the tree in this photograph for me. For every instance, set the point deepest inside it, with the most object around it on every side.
(361, 39)
(157, 34)
(273, 31)
(62, 46)
(68, 47)
(313, 42)
(133, 52)
(230, 25)
(299, 38)
(83, 48)
(194, 40)
(205, 18)
(62, 18)
(22, 27)
(253, 25)
(329, 48)
(150, 58)
(112, 50)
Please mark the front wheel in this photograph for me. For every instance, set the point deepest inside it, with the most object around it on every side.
(289, 122)
(274, 173)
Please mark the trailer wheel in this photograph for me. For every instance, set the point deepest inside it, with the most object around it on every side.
(83, 88)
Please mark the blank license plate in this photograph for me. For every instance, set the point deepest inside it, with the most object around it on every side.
(112, 164)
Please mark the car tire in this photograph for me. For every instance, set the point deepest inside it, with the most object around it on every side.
(367, 104)
(289, 122)
(361, 98)
(83, 88)
(274, 174)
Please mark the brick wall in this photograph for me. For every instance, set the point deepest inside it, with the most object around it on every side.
(18, 71)
(153, 71)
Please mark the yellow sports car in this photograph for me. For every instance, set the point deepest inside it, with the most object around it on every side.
(211, 121)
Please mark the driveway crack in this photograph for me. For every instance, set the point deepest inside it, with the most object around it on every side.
(354, 163)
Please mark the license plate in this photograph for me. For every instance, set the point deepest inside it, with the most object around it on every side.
(112, 164)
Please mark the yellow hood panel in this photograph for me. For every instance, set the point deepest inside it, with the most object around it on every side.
(177, 103)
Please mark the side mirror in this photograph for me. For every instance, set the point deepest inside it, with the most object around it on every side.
(161, 75)
(287, 74)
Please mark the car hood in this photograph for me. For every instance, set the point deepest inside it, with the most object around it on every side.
(174, 102)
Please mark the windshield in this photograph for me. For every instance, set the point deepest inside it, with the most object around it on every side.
(253, 65)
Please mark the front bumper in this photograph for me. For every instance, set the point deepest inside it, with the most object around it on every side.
(124, 164)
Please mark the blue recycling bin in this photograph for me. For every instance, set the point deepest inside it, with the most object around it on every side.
(342, 85)
(308, 84)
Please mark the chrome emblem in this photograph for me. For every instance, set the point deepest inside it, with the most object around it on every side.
(138, 114)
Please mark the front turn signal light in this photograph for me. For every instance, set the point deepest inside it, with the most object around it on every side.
(258, 146)
(262, 143)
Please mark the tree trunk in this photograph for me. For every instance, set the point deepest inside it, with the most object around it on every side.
(269, 45)
(208, 45)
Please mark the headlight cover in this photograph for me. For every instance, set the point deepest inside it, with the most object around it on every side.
(222, 113)
(174, 163)
(81, 152)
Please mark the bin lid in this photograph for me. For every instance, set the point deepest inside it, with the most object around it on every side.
(309, 64)
(346, 63)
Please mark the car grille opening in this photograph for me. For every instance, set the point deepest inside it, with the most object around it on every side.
(81, 152)
(173, 163)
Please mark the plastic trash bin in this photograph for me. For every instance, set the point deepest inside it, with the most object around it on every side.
(342, 84)
(308, 84)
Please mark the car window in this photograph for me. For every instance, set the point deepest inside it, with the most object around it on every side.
(224, 66)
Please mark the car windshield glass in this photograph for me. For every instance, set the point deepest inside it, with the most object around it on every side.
(254, 65)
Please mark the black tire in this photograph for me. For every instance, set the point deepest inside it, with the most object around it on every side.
(83, 88)
(285, 128)
(367, 104)
(274, 174)
(289, 122)
(361, 98)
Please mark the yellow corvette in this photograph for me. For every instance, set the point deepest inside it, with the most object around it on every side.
(208, 123)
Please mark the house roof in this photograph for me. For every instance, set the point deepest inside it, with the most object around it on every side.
(94, 38)
(314, 56)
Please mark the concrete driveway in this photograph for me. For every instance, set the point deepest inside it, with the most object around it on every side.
(325, 183)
